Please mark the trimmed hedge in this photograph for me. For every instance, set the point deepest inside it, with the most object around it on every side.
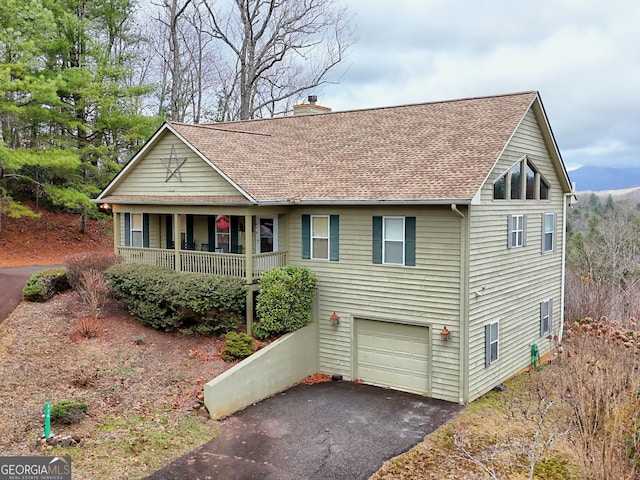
(45, 284)
(169, 300)
(284, 300)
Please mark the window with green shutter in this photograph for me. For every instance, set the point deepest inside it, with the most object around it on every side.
(135, 230)
(394, 240)
(321, 237)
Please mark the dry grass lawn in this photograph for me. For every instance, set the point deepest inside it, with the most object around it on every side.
(143, 388)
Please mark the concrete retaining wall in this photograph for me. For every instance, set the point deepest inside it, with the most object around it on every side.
(268, 371)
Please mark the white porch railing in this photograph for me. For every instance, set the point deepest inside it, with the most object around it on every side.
(227, 264)
(148, 256)
(264, 261)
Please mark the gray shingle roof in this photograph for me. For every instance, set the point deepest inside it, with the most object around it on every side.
(421, 152)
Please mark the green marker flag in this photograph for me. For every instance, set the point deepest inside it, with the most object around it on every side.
(47, 420)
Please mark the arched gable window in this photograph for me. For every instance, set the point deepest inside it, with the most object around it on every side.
(522, 181)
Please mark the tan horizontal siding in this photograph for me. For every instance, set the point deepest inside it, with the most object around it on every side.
(149, 175)
(508, 285)
(426, 294)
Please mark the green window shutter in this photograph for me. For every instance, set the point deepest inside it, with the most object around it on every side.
(235, 227)
(190, 243)
(169, 227)
(334, 238)
(145, 230)
(487, 345)
(127, 229)
(524, 230)
(410, 241)
(550, 315)
(377, 240)
(306, 236)
(211, 232)
(509, 230)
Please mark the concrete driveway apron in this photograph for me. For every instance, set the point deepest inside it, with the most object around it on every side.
(333, 430)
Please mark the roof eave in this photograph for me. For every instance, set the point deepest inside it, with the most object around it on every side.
(400, 201)
(242, 203)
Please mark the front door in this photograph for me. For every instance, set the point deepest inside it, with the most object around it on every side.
(267, 234)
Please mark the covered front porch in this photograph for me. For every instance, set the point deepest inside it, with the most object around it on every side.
(234, 242)
(217, 263)
(220, 243)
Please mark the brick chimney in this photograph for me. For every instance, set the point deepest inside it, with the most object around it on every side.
(310, 108)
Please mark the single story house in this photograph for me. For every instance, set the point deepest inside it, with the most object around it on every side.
(436, 230)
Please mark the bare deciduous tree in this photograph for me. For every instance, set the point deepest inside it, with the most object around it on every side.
(169, 42)
(597, 378)
(606, 260)
(277, 49)
(533, 415)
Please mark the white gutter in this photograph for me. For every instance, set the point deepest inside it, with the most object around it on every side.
(413, 201)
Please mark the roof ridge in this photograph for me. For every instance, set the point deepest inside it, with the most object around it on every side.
(366, 109)
(212, 126)
(433, 102)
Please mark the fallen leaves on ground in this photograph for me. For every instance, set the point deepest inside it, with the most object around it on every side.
(316, 378)
(46, 240)
(143, 388)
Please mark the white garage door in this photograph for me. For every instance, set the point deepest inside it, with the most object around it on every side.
(393, 355)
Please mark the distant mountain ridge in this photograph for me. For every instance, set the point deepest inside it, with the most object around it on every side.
(596, 179)
(630, 196)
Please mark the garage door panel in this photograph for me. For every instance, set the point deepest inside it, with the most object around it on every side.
(393, 355)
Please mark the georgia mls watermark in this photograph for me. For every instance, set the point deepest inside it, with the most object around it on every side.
(35, 468)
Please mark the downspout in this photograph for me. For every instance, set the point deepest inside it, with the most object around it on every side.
(565, 198)
(464, 308)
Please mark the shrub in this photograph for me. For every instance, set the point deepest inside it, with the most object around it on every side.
(89, 326)
(81, 262)
(168, 300)
(93, 290)
(68, 411)
(284, 300)
(45, 284)
(207, 304)
(237, 345)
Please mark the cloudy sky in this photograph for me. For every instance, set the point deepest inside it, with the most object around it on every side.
(583, 56)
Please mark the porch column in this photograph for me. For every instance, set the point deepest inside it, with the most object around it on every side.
(117, 217)
(177, 243)
(248, 260)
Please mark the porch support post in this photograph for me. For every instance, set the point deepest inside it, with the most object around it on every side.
(177, 243)
(116, 232)
(248, 260)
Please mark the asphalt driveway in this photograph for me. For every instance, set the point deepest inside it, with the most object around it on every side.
(333, 430)
(12, 281)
